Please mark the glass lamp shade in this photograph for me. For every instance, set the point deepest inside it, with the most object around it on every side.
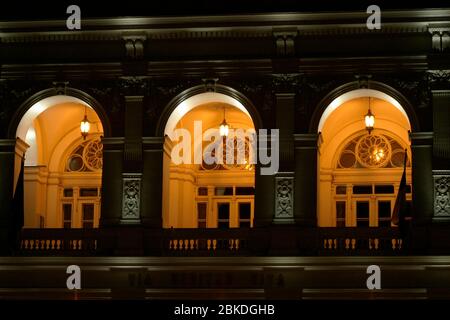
(85, 126)
(224, 129)
(369, 120)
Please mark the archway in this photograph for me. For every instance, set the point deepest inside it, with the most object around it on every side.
(62, 169)
(359, 171)
(201, 195)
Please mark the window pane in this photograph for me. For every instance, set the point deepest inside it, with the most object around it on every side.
(202, 191)
(88, 211)
(341, 190)
(67, 211)
(384, 209)
(384, 213)
(201, 210)
(223, 211)
(362, 213)
(68, 192)
(224, 191)
(386, 189)
(362, 189)
(88, 192)
(340, 213)
(244, 191)
(244, 210)
(408, 188)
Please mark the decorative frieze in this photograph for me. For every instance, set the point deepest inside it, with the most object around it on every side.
(131, 198)
(441, 193)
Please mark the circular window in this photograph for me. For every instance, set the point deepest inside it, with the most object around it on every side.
(347, 160)
(373, 151)
(93, 155)
(75, 163)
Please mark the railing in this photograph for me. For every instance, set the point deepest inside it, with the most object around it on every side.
(58, 241)
(214, 242)
(360, 241)
(205, 242)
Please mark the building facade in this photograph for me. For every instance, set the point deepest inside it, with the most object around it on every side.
(117, 190)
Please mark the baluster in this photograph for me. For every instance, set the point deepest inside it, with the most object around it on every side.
(353, 244)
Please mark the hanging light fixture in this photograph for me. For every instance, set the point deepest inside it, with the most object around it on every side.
(224, 127)
(85, 125)
(369, 119)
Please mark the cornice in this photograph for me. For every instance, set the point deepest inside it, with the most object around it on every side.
(224, 26)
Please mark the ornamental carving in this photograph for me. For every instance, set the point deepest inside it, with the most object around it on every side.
(131, 197)
(87, 157)
(286, 81)
(134, 86)
(284, 198)
(372, 151)
(442, 195)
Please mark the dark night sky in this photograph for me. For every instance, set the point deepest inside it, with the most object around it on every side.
(36, 9)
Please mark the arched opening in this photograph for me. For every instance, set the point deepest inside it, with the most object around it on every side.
(360, 169)
(62, 169)
(198, 194)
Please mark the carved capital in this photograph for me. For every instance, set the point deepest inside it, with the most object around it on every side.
(439, 79)
(286, 82)
(134, 86)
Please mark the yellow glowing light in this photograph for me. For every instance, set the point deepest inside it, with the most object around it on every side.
(85, 126)
(369, 120)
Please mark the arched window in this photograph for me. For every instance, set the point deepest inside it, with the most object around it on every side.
(81, 185)
(366, 178)
(87, 157)
(372, 151)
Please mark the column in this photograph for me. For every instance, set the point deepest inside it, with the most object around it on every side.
(441, 152)
(306, 179)
(152, 181)
(111, 200)
(422, 176)
(7, 154)
(132, 166)
(284, 179)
